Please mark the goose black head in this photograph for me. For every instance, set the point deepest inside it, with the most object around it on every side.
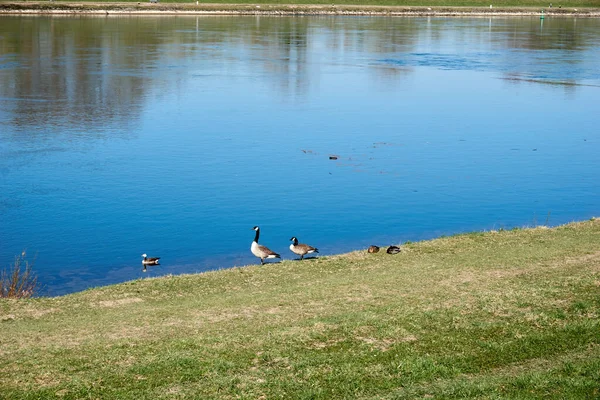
(255, 228)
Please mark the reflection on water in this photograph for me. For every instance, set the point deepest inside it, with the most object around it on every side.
(176, 135)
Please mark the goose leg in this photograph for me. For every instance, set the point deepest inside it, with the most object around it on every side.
(262, 261)
(301, 256)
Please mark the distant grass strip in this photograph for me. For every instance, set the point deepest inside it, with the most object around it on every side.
(316, 6)
(507, 314)
(415, 3)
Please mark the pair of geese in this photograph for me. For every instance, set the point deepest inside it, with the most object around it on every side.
(264, 252)
(258, 250)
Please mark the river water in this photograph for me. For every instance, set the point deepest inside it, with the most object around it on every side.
(175, 135)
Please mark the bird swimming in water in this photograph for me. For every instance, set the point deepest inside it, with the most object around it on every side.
(149, 261)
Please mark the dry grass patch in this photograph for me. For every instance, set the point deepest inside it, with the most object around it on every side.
(119, 302)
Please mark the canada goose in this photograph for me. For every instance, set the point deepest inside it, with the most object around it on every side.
(261, 251)
(373, 249)
(302, 249)
(393, 250)
(149, 261)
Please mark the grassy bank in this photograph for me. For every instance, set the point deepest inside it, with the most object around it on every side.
(581, 8)
(509, 314)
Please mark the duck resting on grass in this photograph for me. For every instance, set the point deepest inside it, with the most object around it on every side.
(261, 251)
(301, 249)
(149, 261)
(373, 249)
(393, 250)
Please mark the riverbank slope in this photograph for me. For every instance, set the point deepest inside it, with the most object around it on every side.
(483, 315)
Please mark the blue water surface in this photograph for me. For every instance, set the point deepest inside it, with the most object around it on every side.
(174, 136)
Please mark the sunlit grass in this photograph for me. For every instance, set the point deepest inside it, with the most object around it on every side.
(507, 314)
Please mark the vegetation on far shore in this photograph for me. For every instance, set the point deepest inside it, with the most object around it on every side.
(566, 7)
(506, 314)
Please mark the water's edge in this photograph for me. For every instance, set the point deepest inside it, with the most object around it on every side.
(344, 254)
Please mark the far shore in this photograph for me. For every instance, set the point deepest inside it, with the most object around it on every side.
(140, 8)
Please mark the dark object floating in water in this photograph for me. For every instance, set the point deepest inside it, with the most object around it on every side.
(534, 150)
(373, 249)
(333, 157)
(393, 250)
(149, 261)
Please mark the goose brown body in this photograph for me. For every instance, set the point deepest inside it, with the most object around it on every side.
(261, 251)
(301, 249)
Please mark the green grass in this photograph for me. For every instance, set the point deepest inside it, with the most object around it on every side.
(414, 3)
(509, 314)
(437, 3)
